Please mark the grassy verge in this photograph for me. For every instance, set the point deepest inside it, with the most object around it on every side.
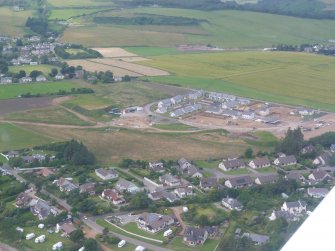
(175, 127)
(238, 171)
(267, 170)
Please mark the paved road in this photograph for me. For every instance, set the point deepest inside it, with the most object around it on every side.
(98, 229)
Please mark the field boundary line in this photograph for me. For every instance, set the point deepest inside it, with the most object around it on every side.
(4, 156)
(147, 238)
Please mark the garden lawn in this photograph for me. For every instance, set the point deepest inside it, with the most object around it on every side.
(46, 69)
(132, 227)
(269, 169)
(237, 171)
(206, 164)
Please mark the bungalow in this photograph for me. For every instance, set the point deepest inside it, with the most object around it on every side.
(285, 161)
(266, 179)
(183, 192)
(332, 148)
(195, 236)
(305, 112)
(231, 164)
(87, 188)
(317, 192)
(230, 105)
(59, 76)
(154, 223)
(265, 111)
(177, 113)
(66, 185)
(156, 167)
(319, 175)
(232, 204)
(6, 80)
(258, 239)
(106, 174)
(41, 78)
(194, 172)
(25, 80)
(161, 110)
(214, 109)
(239, 182)
(231, 114)
(164, 103)
(160, 195)
(42, 209)
(184, 164)
(295, 176)
(13, 154)
(260, 162)
(126, 186)
(112, 195)
(66, 227)
(283, 214)
(209, 183)
(169, 180)
(322, 159)
(177, 99)
(195, 95)
(295, 207)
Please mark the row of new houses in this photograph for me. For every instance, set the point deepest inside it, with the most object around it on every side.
(25, 80)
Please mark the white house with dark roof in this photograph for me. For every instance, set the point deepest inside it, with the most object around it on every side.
(195, 236)
(183, 192)
(153, 222)
(319, 175)
(207, 184)
(126, 186)
(322, 159)
(295, 176)
(41, 78)
(156, 167)
(184, 163)
(258, 239)
(59, 76)
(239, 182)
(285, 161)
(260, 162)
(266, 179)
(231, 164)
(106, 174)
(170, 180)
(295, 207)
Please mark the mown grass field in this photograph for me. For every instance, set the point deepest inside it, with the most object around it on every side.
(17, 137)
(65, 14)
(14, 90)
(283, 77)
(46, 69)
(12, 22)
(52, 115)
(219, 28)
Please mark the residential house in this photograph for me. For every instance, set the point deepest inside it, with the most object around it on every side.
(42, 209)
(239, 182)
(305, 112)
(264, 111)
(285, 161)
(41, 78)
(177, 113)
(126, 186)
(193, 172)
(295, 176)
(307, 149)
(79, 74)
(183, 192)
(66, 227)
(6, 80)
(230, 105)
(260, 162)
(87, 188)
(161, 110)
(195, 236)
(13, 154)
(106, 174)
(317, 192)
(319, 175)
(177, 99)
(322, 160)
(195, 95)
(231, 114)
(159, 195)
(59, 76)
(156, 167)
(113, 195)
(65, 185)
(184, 164)
(164, 103)
(232, 204)
(258, 239)
(154, 223)
(170, 180)
(45, 172)
(295, 207)
(214, 109)
(209, 183)
(266, 179)
(25, 80)
(231, 164)
(332, 148)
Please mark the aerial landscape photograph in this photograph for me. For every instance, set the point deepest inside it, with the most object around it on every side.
(167, 125)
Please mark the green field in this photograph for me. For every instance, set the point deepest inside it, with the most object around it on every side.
(219, 28)
(283, 77)
(206, 164)
(152, 51)
(46, 69)
(15, 137)
(14, 90)
(174, 127)
(90, 101)
(13, 22)
(78, 3)
(52, 115)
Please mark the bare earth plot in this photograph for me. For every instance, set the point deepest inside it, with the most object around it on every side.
(114, 52)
